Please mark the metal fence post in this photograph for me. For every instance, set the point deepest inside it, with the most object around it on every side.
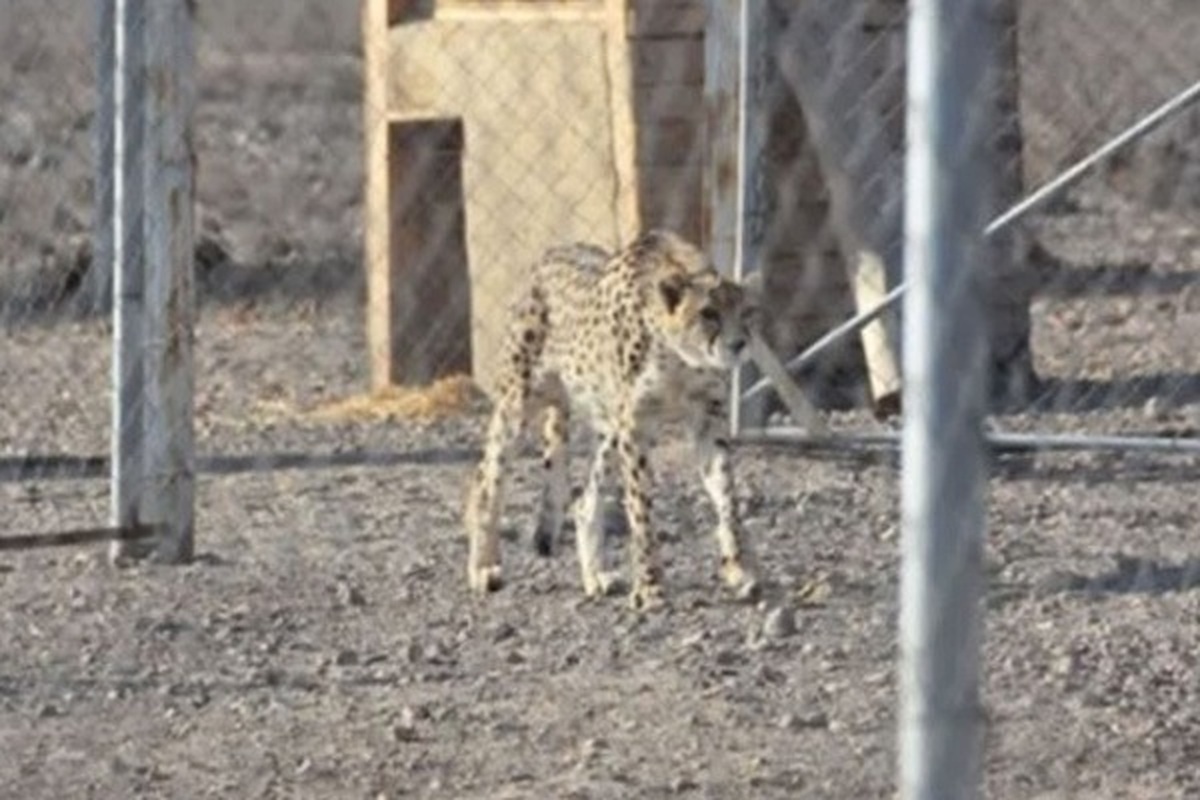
(170, 202)
(736, 54)
(128, 266)
(97, 296)
(944, 355)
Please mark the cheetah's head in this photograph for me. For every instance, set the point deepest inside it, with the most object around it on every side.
(708, 320)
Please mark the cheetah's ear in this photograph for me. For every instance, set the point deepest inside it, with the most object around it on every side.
(671, 289)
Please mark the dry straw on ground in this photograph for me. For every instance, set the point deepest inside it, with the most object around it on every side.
(451, 396)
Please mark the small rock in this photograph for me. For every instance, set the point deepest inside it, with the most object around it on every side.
(1065, 665)
(405, 727)
(49, 710)
(681, 785)
(1155, 409)
(814, 721)
(350, 595)
(590, 748)
(889, 534)
(780, 623)
(503, 632)
(727, 658)
(766, 674)
(345, 658)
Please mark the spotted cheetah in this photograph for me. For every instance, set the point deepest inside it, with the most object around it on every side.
(623, 338)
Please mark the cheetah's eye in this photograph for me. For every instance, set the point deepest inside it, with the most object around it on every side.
(710, 314)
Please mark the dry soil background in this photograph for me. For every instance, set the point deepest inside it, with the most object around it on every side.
(323, 646)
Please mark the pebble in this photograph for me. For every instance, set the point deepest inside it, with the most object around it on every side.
(1155, 409)
(405, 727)
(796, 722)
(350, 595)
(780, 623)
(503, 632)
(681, 785)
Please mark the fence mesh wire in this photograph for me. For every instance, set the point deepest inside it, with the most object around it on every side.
(499, 138)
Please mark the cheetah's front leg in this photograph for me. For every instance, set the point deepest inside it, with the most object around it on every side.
(716, 465)
(647, 589)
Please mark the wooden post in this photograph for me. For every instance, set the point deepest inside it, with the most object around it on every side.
(376, 206)
(624, 133)
(169, 499)
(736, 116)
(1011, 286)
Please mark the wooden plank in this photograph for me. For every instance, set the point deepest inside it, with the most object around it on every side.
(720, 104)
(673, 197)
(670, 143)
(520, 10)
(1011, 282)
(376, 206)
(624, 132)
(399, 11)
(657, 102)
(668, 62)
(170, 288)
(667, 18)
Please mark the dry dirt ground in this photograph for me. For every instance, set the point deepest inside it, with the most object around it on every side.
(323, 645)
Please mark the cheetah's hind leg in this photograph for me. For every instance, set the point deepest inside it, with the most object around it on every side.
(482, 513)
(556, 489)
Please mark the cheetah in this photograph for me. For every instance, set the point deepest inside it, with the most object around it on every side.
(621, 338)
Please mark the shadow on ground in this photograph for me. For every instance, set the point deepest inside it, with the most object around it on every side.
(1131, 575)
(59, 293)
(14, 469)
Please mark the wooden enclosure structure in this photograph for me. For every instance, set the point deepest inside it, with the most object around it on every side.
(495, 128)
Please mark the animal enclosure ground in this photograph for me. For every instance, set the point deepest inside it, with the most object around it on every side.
(323, 644)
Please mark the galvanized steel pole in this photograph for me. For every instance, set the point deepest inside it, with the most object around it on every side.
(128, 256)
(944, 353)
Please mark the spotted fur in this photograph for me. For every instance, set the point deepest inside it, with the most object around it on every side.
(622, 339)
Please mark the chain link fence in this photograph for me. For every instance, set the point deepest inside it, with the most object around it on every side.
(373, 184)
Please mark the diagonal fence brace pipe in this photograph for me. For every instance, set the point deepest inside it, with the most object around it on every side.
(1035, 200)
